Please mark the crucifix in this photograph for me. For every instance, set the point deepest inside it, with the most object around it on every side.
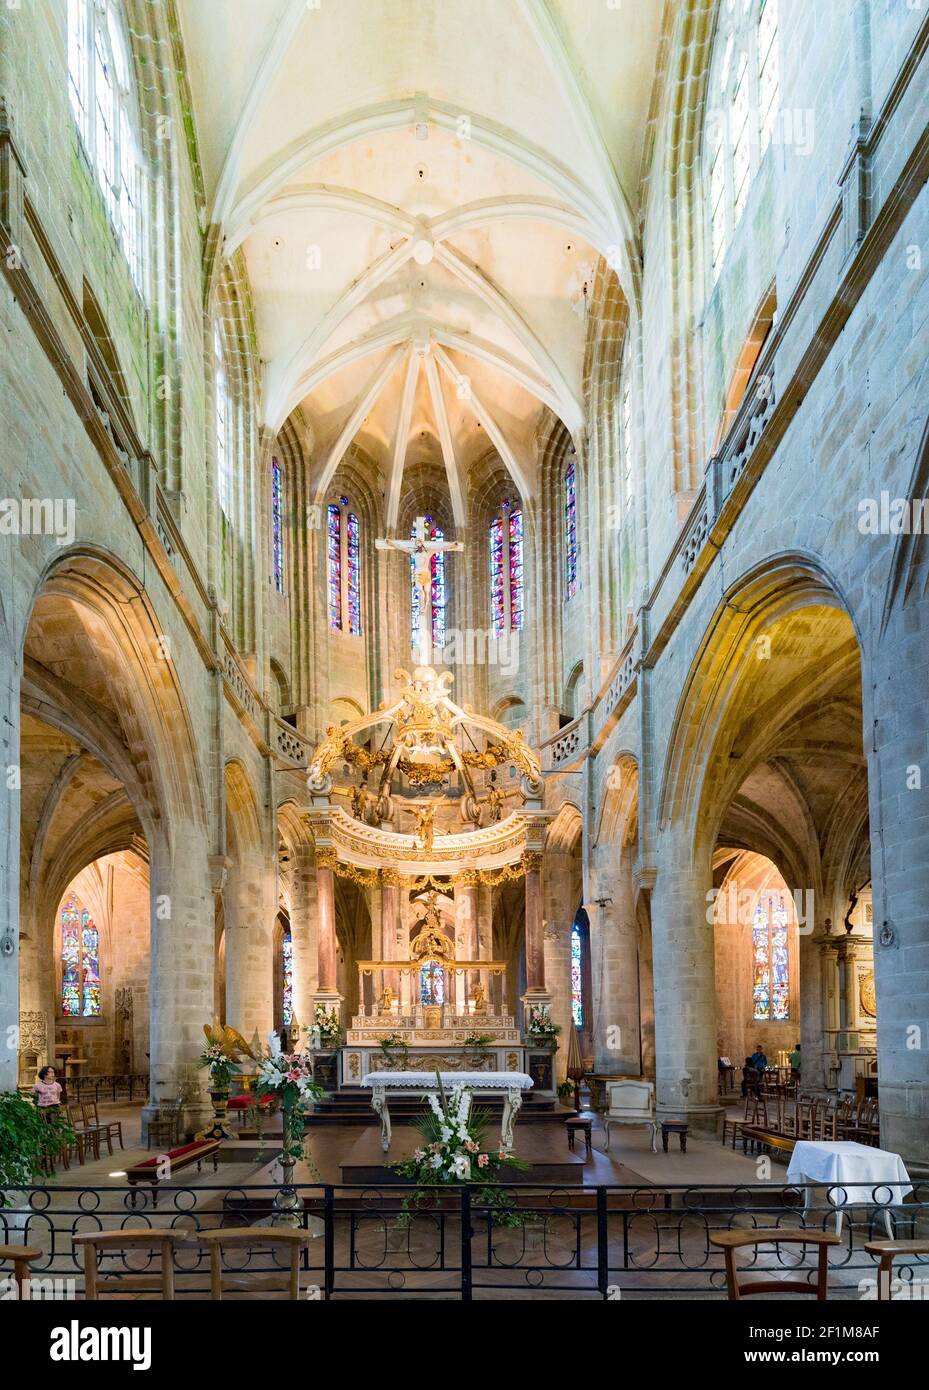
(422, 549)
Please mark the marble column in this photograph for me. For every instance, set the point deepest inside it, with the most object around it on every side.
(467, 937)
(303, 937)
(390, 922)
(325, 929)
(535, 939)
(684, 984)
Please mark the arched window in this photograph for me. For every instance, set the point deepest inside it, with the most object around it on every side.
(741, 110)
(570, 527)
(80, 961)
(277, 524)
(506, 570)
(439, 591)
(343, 568)
(287, 978)
(223, 422)
(103, 99)
(770, 963)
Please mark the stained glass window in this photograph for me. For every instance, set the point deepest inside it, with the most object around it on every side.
(439, 592)
(506, 570)
(577, 977)
(105, 107)
(343, 561)
(80, 961)
(497, 592)
(570, 528)
(334, 565)
(770, 963)
(353, 574)
(287, 957)
(277, 524)
(432, 983)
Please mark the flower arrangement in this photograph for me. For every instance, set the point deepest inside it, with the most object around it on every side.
(330, 1029)
(453, 1152)
(28, 1139)
(224, 1050)
(541, 1028)
(288, 1076)
(478, 1042)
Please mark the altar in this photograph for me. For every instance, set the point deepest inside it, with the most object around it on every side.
(384, 1084)
(431, 995)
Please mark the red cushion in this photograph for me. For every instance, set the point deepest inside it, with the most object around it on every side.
(243, 1102)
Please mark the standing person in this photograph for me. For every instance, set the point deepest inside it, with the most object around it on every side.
(47, 1092)
(795, 1063)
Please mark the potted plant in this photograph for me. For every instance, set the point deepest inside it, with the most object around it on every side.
(541, 1030)
(225, 1047)
(566, 1092)
(28, 1141)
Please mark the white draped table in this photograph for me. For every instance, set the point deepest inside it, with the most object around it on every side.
(855, 1169)
(420, 1083)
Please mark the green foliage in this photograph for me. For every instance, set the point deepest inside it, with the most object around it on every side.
(27, 1138)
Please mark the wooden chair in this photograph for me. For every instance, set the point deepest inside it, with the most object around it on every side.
(250, 1238)
(106, 1242)
(107, 1128)
(737, 1123)
(20, 1256)
(731, 1241)
(886, 1252)
(88, 1138)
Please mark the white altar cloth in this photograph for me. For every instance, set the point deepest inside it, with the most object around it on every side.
(855, 1173)
(512, 1083)
(480, 1080)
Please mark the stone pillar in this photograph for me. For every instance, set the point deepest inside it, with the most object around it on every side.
(535, 937)
(614, 970)
(896, 718)
(249, 950)
(685, 985)
(181, 981)
(9, 860)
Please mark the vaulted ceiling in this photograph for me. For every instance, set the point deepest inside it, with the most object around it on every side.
(421, 189)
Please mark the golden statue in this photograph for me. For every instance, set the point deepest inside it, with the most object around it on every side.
(425, 824)
(480, 999)
(431, 942)
(385, 1006)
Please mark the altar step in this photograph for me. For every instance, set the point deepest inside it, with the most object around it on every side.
(353, 1107)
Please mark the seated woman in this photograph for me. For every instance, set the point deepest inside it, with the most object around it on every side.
(47, 1092)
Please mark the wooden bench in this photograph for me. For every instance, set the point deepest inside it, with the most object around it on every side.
(767, 1138)
(731, 1241)
(149, 1171)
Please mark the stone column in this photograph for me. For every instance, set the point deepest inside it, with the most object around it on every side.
(249, 949)
(614, 969)
(535, 938)
(9, 860)
(181, 979)
(390, 922)
(685, 985)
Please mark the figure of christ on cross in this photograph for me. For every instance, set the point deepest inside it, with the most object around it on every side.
(422, 548)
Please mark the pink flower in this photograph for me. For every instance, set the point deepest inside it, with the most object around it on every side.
(482, 1160)
(471, 1146)
(293, 1075)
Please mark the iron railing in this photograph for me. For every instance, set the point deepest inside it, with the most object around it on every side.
(603, 1242)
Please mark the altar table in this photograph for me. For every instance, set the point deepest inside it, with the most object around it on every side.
(855, 1168)
(418, 1083)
